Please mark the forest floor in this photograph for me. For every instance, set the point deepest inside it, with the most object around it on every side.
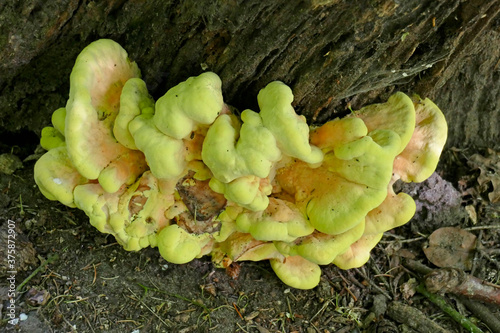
(90, 284)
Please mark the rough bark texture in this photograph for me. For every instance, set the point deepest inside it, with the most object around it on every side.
(414, 318)
(331, 53)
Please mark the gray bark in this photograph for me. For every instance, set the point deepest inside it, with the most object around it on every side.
(330, 52)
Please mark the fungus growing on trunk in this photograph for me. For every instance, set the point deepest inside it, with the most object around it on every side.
(187, 175)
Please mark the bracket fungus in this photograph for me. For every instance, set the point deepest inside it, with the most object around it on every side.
(187, 175)
(96, 83)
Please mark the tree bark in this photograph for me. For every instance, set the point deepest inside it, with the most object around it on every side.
(331, 52)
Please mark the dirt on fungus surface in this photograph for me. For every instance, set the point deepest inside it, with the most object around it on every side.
(96, 286)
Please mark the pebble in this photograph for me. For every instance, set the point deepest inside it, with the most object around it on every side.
(9, 163)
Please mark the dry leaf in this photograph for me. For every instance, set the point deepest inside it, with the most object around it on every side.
(408, 289)
(233, 270)
(451, 247)
(471, 210)
(489, 179)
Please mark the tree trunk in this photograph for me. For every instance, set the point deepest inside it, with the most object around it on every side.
(330, 52)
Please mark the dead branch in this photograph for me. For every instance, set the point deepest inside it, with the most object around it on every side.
(451, 280)
(446, 308)
(413, 318)
(482, 312)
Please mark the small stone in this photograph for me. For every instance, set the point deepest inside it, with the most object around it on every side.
(9, 163)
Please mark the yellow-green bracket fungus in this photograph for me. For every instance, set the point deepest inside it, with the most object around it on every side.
(188, 176)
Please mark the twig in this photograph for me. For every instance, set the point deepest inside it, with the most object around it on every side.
(482, 312)
(417, 266)
(353, 279)
(88, 323)
(147, 307)
(479, 310)
(380, 275)
(373, 284)
(95, 273)
(347, 288)
(49, 260)
(146, 289)
(323, 307)
(241, 328)
(485, 252)
(483, 227)
(477, 253)
(292, 316)
(413, 318)
(401, 240)
(445, 307)
(452, 280)
(21, 205)
(237, 311)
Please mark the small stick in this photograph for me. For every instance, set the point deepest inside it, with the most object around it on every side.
(147, 307)
(445, 307)
(237, 311)
(477, 253)
(373, 284)
(452, 280)
(49, 260)
(347, 289)
(95, 273)
(482, 312)
(413, 318)
(417, 266)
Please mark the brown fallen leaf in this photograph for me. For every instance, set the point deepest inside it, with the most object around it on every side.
(202, 202)
(233, 270)
(36, 297)
(451, 247)
(489, 179)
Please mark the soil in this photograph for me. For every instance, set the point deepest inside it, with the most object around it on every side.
(96, 286)
(335, 55)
